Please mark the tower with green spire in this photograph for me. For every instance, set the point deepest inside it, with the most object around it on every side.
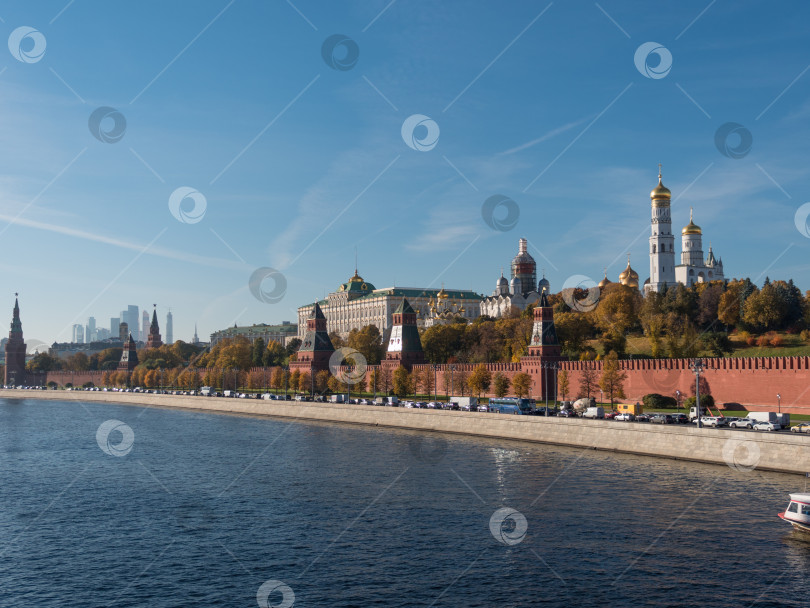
(154, 341)
(316, 347)
(15, 350)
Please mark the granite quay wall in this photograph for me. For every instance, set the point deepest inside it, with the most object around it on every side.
(752, 382)
(741, 450)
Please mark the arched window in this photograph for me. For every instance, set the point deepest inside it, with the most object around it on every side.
(654, 249)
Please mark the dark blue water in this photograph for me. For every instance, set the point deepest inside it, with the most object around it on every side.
(204, 509)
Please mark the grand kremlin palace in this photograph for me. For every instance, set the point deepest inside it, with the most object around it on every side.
(358, 303)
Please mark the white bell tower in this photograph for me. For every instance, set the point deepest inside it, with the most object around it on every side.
(662, 242)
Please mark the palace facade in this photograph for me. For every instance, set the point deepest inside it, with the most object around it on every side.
(358, 303)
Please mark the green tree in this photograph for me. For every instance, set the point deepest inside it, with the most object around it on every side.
(500, 384)
(403, 386)
(322, 381)
(717, 343)
(257, 354)
(613, 378)
(43, 362)
(368, 342)
(274, 354)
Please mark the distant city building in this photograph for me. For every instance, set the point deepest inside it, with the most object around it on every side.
(123, 331)
(78, 334)
(144, 326)
(15, 350)
(91, 335)
(522, 290)
(133, 318)
(280, 333)
(169, 328)
(154, 340)
(102, 333)
(196, 340)
(115, 323)
(64, 349)
(357, 303)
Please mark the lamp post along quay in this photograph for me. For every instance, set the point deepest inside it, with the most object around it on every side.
(779, 401)
(697, 367)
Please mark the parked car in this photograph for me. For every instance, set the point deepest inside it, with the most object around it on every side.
(643, 418)
(804, 427)
(764, 425)
(680, 418)
(742, 423)
(628, 417)
(713, 421)
(482, 408)
(611, 415)
(566, 414)
(662, 419)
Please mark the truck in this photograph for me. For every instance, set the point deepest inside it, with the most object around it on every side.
(704, 411)
(465, 402)
(580, 405)
(338, 398)
(630, 408)
(207, 391)
(594, 412)
(782, 420)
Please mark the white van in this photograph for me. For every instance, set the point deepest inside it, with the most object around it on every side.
(594, 412)
(207, 391)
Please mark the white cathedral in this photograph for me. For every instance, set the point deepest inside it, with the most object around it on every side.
(693, 267)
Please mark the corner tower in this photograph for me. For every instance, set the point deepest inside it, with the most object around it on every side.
(15, 350)
(662, 242)
(316, 348)
(129, 356)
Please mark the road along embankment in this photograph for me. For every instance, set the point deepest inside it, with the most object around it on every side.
(742, 450)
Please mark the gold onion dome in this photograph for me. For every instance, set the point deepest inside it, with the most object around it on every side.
(660, 193)
(356, 278)
(604, 282)
(691, 227)
(628, 276)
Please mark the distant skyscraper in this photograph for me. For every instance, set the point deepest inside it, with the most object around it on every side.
(78, 334)
(91, 335)
(114, 323)
(169, 328)
(196, 340)
(123, 332)
(133, 319)
(144, 326)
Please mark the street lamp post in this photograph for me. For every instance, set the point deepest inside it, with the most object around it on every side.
(677, 400)
(697, 367)
(545, 383)
(779, 398)
(435, 388)
(452, 367)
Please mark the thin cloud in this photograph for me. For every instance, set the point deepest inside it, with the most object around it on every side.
(547, 136)
(117, 242)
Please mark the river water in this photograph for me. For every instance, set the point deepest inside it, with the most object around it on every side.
(178, 508)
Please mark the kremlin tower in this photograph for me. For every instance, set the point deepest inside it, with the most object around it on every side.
(662, 242)
(15, 350)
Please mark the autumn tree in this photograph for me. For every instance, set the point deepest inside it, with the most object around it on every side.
(563, 383)
(257, 352)
(587, 381)
(480, 379)
(274, 354)
(322, 381)
(43, 362)
(500, 384)
(305, 382)
(613, 378)
(521, 384)
(386, 379)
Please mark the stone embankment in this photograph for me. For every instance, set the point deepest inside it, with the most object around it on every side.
(741, 450)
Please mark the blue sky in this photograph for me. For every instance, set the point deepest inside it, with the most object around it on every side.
(300, 163)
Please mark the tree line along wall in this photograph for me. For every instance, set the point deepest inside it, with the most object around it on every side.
(752, 382)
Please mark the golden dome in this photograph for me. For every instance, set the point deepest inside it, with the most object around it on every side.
(628, 276)
(660, 195)
(604, 282)
(356, 278)
(692, 227)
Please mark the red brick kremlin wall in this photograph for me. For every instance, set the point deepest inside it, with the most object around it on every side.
(752, 382)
